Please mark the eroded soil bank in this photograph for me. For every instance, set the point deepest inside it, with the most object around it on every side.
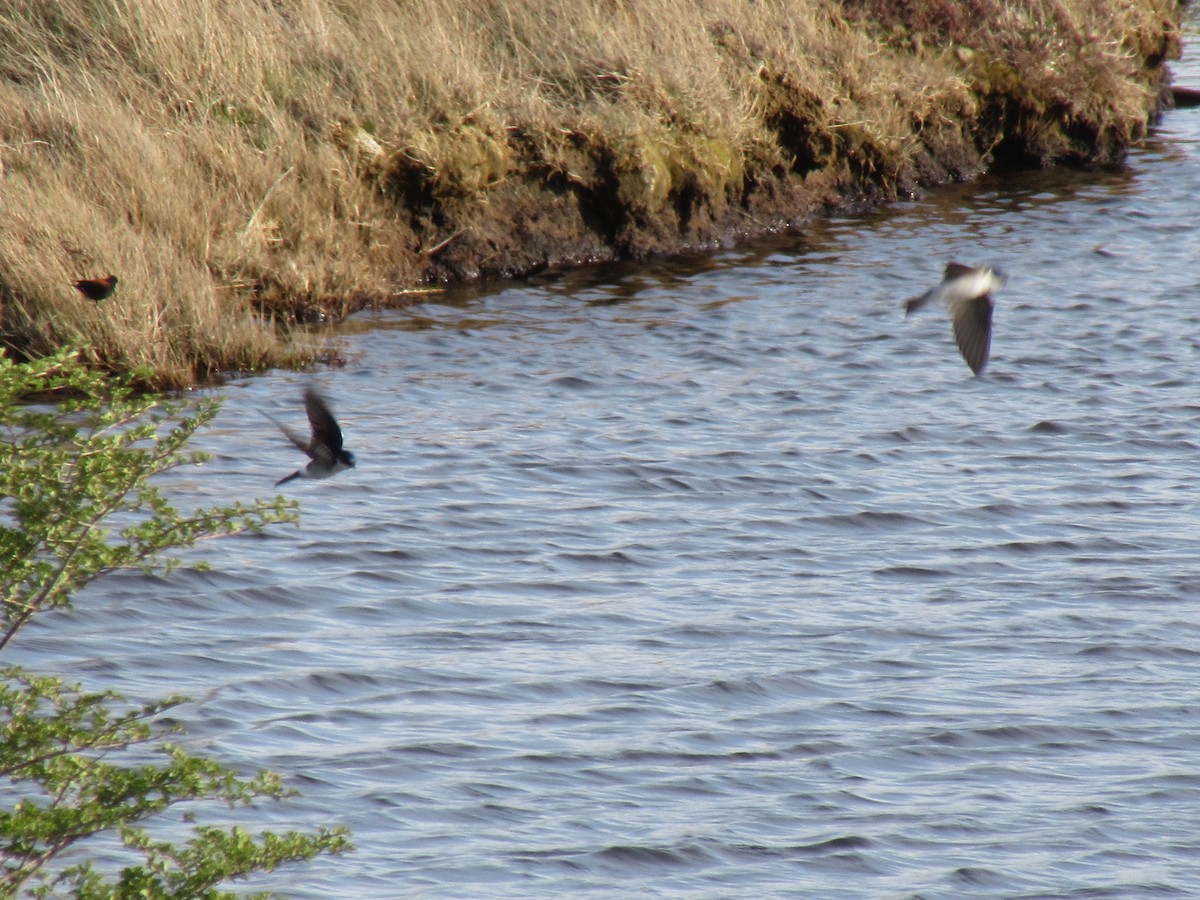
(249, 168)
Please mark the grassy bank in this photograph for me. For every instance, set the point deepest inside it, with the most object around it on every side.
(247, 167)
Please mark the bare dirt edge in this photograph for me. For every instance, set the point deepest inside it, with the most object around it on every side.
(605, 204)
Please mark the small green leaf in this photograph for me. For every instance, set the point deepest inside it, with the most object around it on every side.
(78, 764)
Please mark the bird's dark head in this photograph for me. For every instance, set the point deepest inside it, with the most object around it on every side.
(346, 458)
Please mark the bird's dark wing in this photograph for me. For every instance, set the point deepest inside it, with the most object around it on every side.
(291, 435)
(97, 288)
(973, 330)
(326, 436)
(955, 270)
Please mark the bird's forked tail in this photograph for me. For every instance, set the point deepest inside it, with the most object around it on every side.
(912, 304)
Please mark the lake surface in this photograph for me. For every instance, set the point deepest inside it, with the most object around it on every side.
(719, 578)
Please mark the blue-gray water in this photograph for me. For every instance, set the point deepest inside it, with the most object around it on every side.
(719, 578)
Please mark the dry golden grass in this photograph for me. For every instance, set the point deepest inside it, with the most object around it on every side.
(245, 165)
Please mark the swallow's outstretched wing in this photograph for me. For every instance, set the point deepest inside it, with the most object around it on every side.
(973, 330)
(326, 442)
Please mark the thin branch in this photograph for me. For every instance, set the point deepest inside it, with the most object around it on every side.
(266, 197)
(441, 245)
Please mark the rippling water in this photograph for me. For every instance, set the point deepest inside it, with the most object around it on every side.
(717, 577)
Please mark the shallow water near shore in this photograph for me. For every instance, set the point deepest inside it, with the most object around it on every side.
(718, 577)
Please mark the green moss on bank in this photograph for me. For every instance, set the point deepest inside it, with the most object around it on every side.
(250, 168)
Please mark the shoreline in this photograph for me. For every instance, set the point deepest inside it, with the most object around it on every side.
(254, 175)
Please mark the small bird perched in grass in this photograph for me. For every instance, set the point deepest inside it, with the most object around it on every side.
(967, 293)
(97, 288)
(324, 448)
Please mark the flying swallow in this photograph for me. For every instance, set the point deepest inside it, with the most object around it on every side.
(967, 292)
(97, 288)
(324, 448)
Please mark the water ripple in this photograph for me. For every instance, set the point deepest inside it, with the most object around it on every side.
(718, 577)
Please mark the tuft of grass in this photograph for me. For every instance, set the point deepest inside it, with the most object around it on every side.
(249, 169)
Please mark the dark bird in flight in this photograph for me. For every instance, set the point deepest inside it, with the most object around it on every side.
(325, 446)
(97, 288)
(967, 293)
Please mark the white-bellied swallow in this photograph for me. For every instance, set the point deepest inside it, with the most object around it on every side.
(325, 446)
(967, 293)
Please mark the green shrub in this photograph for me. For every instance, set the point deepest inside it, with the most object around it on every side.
(78, 764)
